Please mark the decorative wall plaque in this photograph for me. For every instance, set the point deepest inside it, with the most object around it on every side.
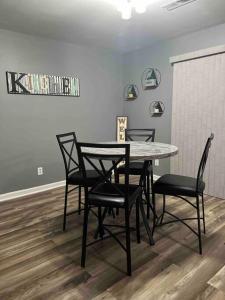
(121, 125)
(156, 108)
(151, 78)
(39, 84)
(130, 92)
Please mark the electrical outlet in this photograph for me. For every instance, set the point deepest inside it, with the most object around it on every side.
(156, 162)
(40, 171)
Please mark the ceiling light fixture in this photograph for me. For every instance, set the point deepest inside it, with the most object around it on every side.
(139, 6)
(125, 7)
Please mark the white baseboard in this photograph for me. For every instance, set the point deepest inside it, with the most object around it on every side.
(38, 189)
(30, 191)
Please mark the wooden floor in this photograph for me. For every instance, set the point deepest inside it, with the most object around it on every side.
(39, 261)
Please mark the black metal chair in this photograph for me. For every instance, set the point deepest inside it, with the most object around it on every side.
(67, 143)
(183, 186)
(106, 194)
(136, 167)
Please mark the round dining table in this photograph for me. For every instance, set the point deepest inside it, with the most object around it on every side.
(145, 151)
(141, 150)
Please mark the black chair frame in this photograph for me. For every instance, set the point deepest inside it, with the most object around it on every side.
(147, 135)
(97, 161)
(63, 140)
(200, 215)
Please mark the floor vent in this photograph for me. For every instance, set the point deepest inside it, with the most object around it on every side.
(176, 4)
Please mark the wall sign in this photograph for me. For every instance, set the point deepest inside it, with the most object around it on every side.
(39, 84)
(151, 78)
(121, 125)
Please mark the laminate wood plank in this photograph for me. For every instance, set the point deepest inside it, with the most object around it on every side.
(22, 222)
(26, 199)
(50, 285)
(195, 280)
(150, 287)
(20, 247)
(17, 236)
(105, 296)
(140, 277)
(106, 267)
(30, 271)
(24, 254)
(211, 293)
(39, 261)
(218, 280)
(68, 293)
(33, 211)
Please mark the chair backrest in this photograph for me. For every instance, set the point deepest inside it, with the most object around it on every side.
(98, 157)
(67, 143)
(203, 161)
(147, 135)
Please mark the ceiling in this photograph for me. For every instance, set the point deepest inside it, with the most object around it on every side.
(98, 23)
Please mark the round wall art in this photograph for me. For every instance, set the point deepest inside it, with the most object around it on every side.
(130, 92)
(150, 79)
(156, 108)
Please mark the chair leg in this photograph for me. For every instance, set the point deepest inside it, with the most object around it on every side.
(155, 219)
(128, 251)
(117, 180)
(199, 226)
(84, 239)
(145, 190)
(146, 224)
(138, 220)
(79, 201)
(148, 195)
(65, 207)
(103, 217)
(153, 198)
(164, 207)
(203, 214)
(111, 212)
(117, 177)
(100, 224)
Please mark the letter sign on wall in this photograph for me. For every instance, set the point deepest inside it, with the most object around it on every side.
(36, 84)
(121, 125)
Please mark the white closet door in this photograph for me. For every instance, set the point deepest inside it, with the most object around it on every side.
(199, 109)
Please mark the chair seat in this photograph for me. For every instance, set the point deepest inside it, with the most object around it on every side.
(105, 194)
(173, 185)
(77, 178)
(135, 168)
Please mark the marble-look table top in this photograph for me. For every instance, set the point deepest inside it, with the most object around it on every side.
(140, 150)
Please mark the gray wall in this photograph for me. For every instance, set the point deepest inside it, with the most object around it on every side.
(28, 124)
(158, 56)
